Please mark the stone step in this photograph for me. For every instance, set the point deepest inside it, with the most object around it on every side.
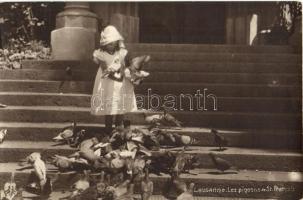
(245, 184)
(215, 119)
(250, 138)
(175, 88)
(174, 66)
(141, 47)
(189, 77)
(66, 193)
(243, 158)
(223, 57)
(237, 104)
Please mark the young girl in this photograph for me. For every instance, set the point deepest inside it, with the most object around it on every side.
(113, 95)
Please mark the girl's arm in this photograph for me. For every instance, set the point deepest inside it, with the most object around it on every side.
(97, 60)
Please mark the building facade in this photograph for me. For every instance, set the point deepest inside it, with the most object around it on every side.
(164, 22)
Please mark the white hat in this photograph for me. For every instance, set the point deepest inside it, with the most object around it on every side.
(110, 34)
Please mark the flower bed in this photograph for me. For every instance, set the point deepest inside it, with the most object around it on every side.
(18, 50)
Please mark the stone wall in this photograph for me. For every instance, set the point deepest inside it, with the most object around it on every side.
(123, 15)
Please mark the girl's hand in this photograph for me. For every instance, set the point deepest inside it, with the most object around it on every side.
(111, 69)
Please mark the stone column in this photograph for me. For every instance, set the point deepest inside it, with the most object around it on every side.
(75, 34)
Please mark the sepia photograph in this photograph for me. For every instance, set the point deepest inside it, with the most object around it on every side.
(151, 100)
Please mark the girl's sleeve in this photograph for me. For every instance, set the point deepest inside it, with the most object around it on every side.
(97, 60)
(95, 57)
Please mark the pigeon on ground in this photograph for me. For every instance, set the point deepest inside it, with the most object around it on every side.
(3, 133)
(220, 163)
(219, 139)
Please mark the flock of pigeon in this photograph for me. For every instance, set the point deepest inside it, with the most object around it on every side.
(121, 160)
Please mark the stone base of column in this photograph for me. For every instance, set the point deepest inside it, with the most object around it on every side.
(73, 43)
(75, 35)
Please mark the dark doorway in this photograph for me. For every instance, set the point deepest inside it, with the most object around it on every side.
(182, 22)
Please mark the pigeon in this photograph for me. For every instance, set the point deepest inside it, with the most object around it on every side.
(10, 188)
(170, 120)
(81, 185)
(184, 162)
(219, 140)
(39, 178)
(3, 133)
(134, 72)
(154, 120)
(68, 73)
(174, 187)
(78, 137)
(66, 134)
(69, 164)
(220, 163)
(183, 140)
(161, 163)
(124, 191)
(147, 187)
(187, 194)
(88, 144)
(2, 105)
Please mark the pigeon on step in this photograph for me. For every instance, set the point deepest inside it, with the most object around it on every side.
(78, 137)
(221, 164)
(188, 193)
(3, 133)
(10, 189)
(170, 120)
(81, 185)
(153, 120)
(2, 105)
(66, 134)
(69, 164)
(174, 187)
(219, 139)
(38, 180)
(68, 73)
(184, 162)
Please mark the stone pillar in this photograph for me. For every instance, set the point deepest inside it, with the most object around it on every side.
(75, 34)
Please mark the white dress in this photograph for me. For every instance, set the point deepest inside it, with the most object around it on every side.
(112, 97)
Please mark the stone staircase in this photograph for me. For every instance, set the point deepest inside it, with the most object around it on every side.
(258, 92)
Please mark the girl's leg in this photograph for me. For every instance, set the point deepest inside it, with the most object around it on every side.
(119, 120)
(108, 124)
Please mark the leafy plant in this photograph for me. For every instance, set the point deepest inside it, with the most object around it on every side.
(20, 24)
